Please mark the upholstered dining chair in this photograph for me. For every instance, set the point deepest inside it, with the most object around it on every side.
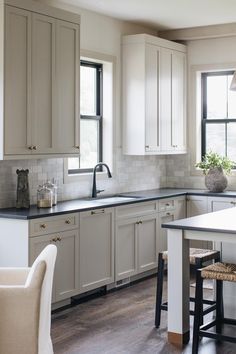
(25, 306)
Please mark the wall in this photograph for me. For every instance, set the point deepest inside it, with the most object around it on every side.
(179, 169)
(98, 34)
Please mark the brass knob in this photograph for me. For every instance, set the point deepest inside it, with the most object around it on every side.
(58, 238)
(67, 222)
(168, 214)
(167, 204)
(54, 239)
(77, 147)
(34, 147)
(30, 147)
(43, 226)
(140, 222)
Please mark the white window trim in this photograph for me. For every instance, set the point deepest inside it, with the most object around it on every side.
(109, 80)
(194, 111)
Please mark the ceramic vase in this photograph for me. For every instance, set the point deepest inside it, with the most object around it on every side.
(215, 180)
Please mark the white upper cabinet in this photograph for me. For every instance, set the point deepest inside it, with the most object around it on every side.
(154, 96)
(41, 86)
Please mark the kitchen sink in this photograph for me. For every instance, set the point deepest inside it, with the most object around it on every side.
(116, 199)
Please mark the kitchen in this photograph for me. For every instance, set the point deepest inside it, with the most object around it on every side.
(208, 48)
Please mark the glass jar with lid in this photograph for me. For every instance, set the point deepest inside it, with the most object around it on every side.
(44, 197)
(52, 185)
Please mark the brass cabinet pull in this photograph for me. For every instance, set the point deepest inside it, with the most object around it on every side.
(68, 222)
(77, 147)
(43, 226)
(58, 238)
(97, 212)
(168, 214)
(167, 204)
(34, 147)
(234, 203)
(147, 146)
(30, 147)
(139, 222)
(54, 239)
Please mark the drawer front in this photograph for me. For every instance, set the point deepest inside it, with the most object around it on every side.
(166, 205)
(53, 224)
(134, 210)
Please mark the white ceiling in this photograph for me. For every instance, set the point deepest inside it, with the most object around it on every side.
(165, 14)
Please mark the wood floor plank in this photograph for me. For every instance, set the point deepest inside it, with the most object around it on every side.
(121, 322)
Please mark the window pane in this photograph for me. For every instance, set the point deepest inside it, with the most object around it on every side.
(231, 100)
(217, 87)
(231, 141)
(89, 135)
(87, 90)
(215, 138)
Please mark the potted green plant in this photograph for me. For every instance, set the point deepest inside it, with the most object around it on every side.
(214, 168)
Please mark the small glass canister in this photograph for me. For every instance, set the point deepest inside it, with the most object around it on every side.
(44, 197)
(52, 185)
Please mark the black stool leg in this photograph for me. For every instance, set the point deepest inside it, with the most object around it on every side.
(199, 265)
(219, 305)
(198, 311)
(160, 274)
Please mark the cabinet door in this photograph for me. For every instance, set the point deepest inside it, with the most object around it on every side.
(17, 82)
(36, 245)
(66, 276)
(43, 81)
(197, 205)
(165, 99)
(162, 234)
(152, 109)
(215, 204)
(96, 260)
(178, 101)
(67, 265)
(147, 243)
(66, 138)
(126, 263)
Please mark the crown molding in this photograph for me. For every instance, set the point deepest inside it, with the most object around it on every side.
(203, 32)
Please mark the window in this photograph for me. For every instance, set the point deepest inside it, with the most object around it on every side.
(218, 114)
(90, 119)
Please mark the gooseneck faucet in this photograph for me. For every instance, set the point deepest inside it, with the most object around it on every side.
(94, 189)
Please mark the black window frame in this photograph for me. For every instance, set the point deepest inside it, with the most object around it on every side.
(98, 117)
(204, 119)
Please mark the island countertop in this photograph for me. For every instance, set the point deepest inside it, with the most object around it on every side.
(223, 221)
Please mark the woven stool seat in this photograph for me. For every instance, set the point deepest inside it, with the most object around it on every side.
(220, 271)
(195, 253)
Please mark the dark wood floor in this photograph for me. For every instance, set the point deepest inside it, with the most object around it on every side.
(121, 322)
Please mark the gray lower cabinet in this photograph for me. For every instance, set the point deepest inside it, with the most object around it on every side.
(96, 249)
(66, 276)
(135, 245)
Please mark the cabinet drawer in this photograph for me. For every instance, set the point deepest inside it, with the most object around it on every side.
(136, 209)
(53, 224)
(166, 205)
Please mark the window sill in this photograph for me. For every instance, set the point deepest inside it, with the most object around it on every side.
(83, 176)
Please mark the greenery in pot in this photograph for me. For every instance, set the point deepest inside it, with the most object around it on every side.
(213, 160)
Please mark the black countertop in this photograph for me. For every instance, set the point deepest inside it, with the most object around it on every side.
(85, 204)
(223, 221)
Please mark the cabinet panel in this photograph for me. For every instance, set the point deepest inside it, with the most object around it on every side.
(162, 235)
(215, 204)
(65, 282)
(147, 243)
(152, 122)
(67, 266)
(96, 249)
(178, 124)
(126, 249)
(180, 208)
(17, 81)
(67, 78)
(197, 205)
(43, 80)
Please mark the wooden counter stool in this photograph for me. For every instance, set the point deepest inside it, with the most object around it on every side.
(197, 257)
(219, 272)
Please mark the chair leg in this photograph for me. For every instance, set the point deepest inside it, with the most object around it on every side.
(159, 290)
(219, 305)
(199, 265)
(198, 311)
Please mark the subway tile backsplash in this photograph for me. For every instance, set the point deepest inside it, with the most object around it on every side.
(131, 173)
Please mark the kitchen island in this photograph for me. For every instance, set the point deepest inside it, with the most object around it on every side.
(219, 227)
